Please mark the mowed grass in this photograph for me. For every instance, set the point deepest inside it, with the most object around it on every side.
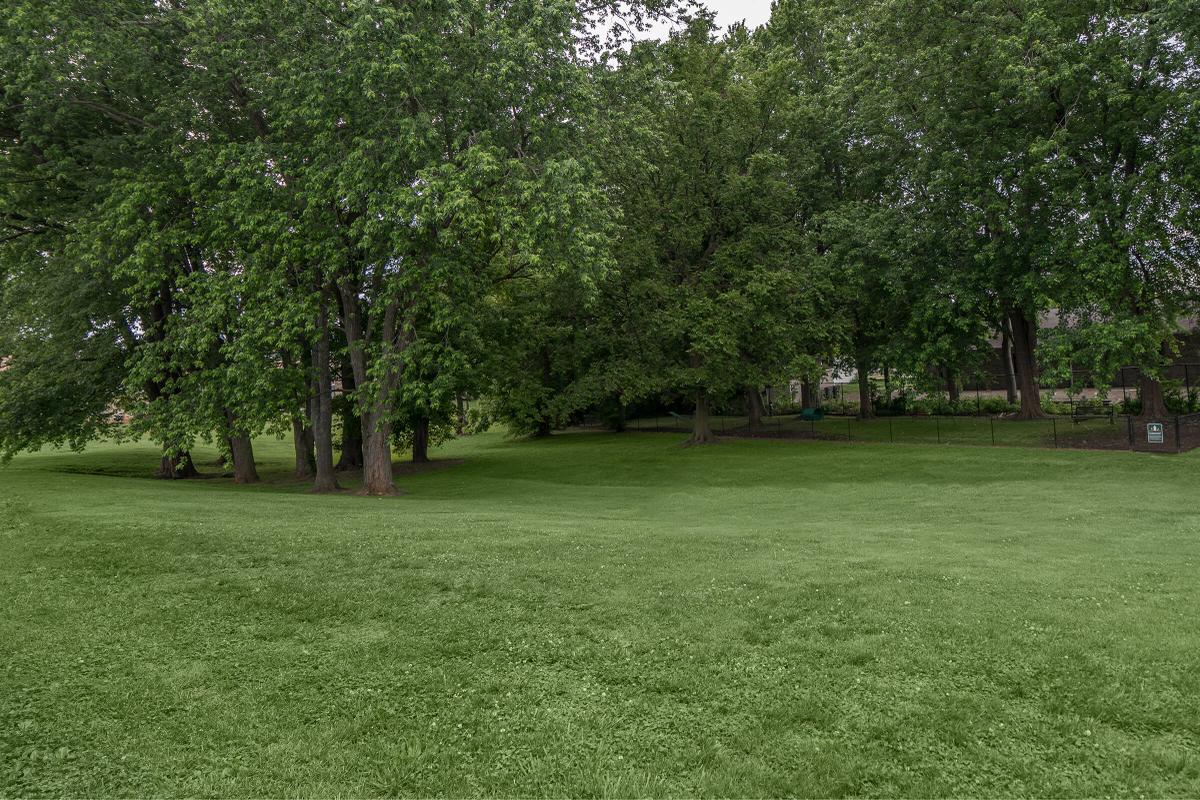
(607, 615)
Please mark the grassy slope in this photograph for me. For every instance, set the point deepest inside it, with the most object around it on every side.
(608, 615)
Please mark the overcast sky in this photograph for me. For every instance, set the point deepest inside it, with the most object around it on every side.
(752, 12)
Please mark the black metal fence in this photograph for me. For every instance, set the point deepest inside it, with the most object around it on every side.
(980, 391)
(1172, 434)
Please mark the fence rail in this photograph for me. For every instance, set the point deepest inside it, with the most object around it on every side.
(1173, 434)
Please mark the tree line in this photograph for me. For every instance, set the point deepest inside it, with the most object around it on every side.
(336, 219)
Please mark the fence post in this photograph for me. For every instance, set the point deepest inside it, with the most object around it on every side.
(891, 434)
(937, 424)
(1178, 444)
(848, 419)
(1054, 427)
(1129, 425)
(992, 425)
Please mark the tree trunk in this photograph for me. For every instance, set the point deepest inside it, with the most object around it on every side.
(754, 405)
(865, 408)
(460, 427)
(1150, 390)
(377, 457)
(1006, 359)
(808, 394)
(241, 450)
(177, 467)
(375, 406)
(302, 442)
(352, 446)
(1154, 403)
(952, 389)
(420, 448)
(1024, 346)
(322, 423)
(887, 385)
(701, 431)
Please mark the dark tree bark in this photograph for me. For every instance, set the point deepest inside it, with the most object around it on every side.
(302, 442)
(866, 409)
(1154, 403)
(460, 426)
(701, 430)
(887, 385)
(241, 450)
(754, 406)
(543, 429)
(352, 446)
(351, 456)
(952, 387)
(177, 467)
(1024, 341)
(374, 407)
(420, 448)
(1150, 391)
(322, 418)
(1006, 360)
(377, 456)
(808, 394)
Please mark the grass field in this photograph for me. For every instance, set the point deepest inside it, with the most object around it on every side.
(607, 615)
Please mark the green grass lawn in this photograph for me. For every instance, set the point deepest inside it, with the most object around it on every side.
(607, 615)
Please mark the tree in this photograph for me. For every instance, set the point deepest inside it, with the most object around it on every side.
(710, 253)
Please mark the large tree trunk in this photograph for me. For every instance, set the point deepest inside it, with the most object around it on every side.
(302, 442)
(1006, 362)
(865, 409)
(460, 426)
(241, 450)
(177, 467)
(701, 430)
(326, 479)
(1154, 403)
(808, 394)
(420, 448)
(374, 406)
(377, 456)
(952, 388)
(1024, 347)
(352, 446)
(1150, 390)
(754, 406)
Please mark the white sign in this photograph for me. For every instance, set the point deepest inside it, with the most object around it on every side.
(1154, 433)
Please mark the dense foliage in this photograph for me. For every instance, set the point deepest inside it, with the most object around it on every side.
(222, 219)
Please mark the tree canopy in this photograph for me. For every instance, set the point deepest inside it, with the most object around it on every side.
(219, 219)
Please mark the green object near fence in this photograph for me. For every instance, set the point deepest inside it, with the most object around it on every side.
(812, 415)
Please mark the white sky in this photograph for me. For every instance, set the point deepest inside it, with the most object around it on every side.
(753, 12)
